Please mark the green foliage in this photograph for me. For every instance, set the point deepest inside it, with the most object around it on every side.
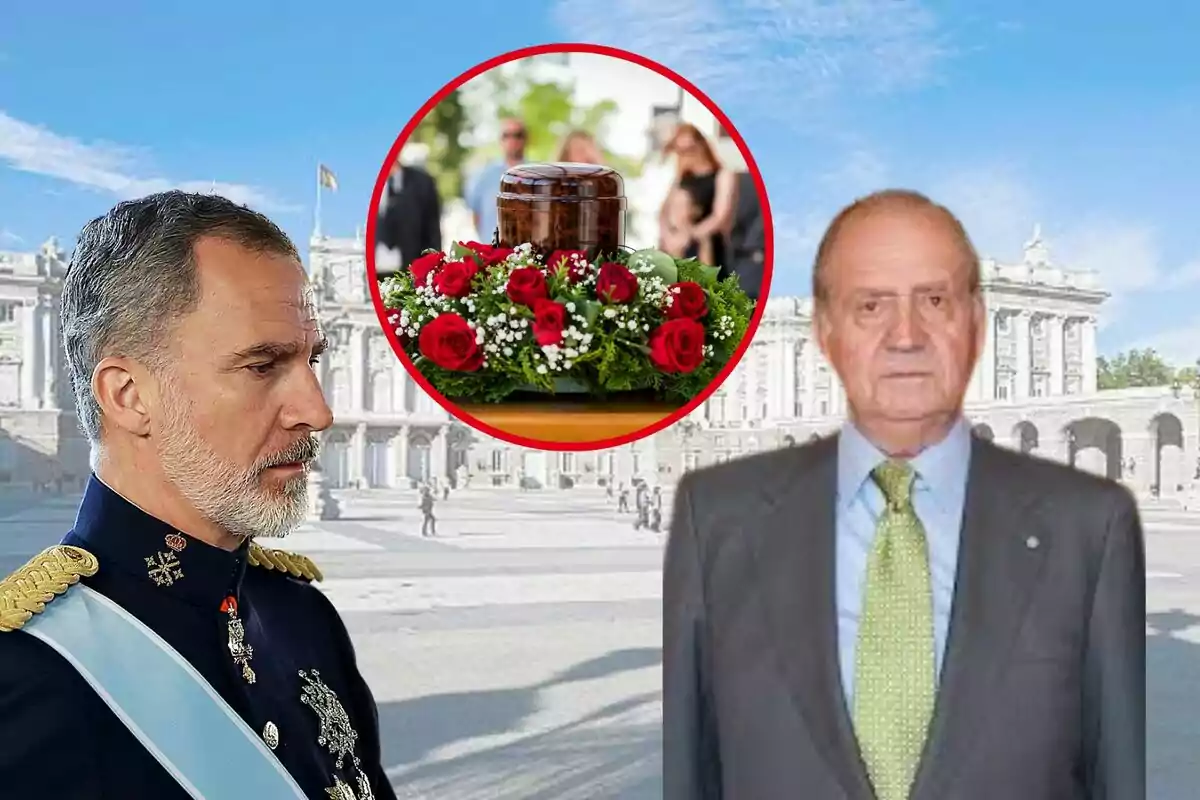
(605, 349)
(442, 130)
(1136, 368)
(549, 111)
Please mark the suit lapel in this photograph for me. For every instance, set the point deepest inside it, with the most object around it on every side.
(795, 552)
(997, 570)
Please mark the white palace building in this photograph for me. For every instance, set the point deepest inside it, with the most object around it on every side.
(1035, 390)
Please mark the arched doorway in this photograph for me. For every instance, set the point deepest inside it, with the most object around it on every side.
(984, 431)
(1025, 434)
(1094, 444)
(1168, 470)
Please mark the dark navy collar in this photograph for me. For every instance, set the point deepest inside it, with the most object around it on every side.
(126, 539)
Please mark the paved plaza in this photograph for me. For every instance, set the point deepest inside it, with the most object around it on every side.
(517, 654)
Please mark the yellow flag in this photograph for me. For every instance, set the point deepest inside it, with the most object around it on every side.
(326, 177)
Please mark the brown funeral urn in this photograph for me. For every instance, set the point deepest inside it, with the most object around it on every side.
(562, 207)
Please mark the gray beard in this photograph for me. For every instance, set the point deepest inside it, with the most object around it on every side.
(227, 495)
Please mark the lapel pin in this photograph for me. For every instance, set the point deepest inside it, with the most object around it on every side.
(1032, 542)
(176, 542)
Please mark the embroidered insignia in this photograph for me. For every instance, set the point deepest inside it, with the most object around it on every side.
(241, 652)
(48, 574)
(296, 565)
(270, 735)
(336, 732)
(342, 791)
(176, 542)
(164, 569)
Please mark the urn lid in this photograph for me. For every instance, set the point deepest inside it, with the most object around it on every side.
(561, 181)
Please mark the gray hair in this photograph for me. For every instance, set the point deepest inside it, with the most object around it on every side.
(132, 276)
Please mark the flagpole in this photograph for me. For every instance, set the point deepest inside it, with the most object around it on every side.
(317, 214)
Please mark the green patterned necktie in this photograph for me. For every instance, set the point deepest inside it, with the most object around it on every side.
(895, 680)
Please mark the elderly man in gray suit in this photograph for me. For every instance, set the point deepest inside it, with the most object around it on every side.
(903, 611)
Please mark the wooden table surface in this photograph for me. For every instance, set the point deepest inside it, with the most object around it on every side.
(572, 421)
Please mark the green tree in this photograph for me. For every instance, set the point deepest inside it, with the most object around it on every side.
(442, 130)
(1136, 368)
(1189, 376)
(549, 111)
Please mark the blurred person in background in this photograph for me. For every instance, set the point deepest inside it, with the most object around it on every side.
(410, 213)
(483, 187)
(160, 650)
(682, 212)
(903, 610)
(580, 147)
(747, 237)
(698, 171)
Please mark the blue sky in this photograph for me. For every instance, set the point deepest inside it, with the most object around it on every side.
(1082, 116)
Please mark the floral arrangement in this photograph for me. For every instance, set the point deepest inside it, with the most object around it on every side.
(482, 322)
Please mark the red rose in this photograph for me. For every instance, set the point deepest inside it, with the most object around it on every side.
(688, 301)
(450, 343)
(677, 345)
(488, 255)
(421, 267)
(526, 286)
(549, 319)
(574, 261)
(615, 284)
(454, 278)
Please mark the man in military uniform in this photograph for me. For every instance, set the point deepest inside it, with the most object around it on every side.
(160, 650)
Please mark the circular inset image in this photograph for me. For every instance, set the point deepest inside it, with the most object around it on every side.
(569, 247)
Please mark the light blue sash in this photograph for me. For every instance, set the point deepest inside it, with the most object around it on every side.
(162, 699)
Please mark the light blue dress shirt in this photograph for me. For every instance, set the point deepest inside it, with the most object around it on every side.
(481, 197)
(939, 494)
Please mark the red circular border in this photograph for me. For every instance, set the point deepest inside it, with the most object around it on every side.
(768, 256)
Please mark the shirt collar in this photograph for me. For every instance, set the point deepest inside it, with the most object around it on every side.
(127, 539)
(942, 467)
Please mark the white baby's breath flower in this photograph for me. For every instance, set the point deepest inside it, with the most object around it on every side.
(542, 369)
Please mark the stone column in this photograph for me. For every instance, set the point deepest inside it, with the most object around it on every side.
(1088, 350)
(389, 476)
(403, 479)
(49, 356)
(810, 377)
(358, 369)
(438, 456)
(1024, 377)
(786, 393)
(358, 453)
(29, 355)
(1057, 349)
(987, 362)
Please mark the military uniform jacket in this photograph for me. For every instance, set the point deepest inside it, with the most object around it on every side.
(266, 640)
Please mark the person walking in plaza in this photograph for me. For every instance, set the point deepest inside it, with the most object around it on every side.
(161, 650)
(903, 610)
(428, 522)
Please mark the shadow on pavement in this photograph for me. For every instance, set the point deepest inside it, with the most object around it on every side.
(1172, 707)
(600, 752)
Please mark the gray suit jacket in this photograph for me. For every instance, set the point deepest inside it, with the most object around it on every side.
(1043, 688)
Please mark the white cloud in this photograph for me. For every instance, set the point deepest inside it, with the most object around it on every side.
(1125, 255)
(1185, 276)
(1179, 346)
(8, 237)
(105, 167)
(995, 205)
(776, 55)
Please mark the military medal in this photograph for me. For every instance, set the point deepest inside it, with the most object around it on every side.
(238, 648)
(164, 568)
(336, 734)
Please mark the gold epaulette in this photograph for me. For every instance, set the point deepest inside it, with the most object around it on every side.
(48, 574)
(294, 564)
